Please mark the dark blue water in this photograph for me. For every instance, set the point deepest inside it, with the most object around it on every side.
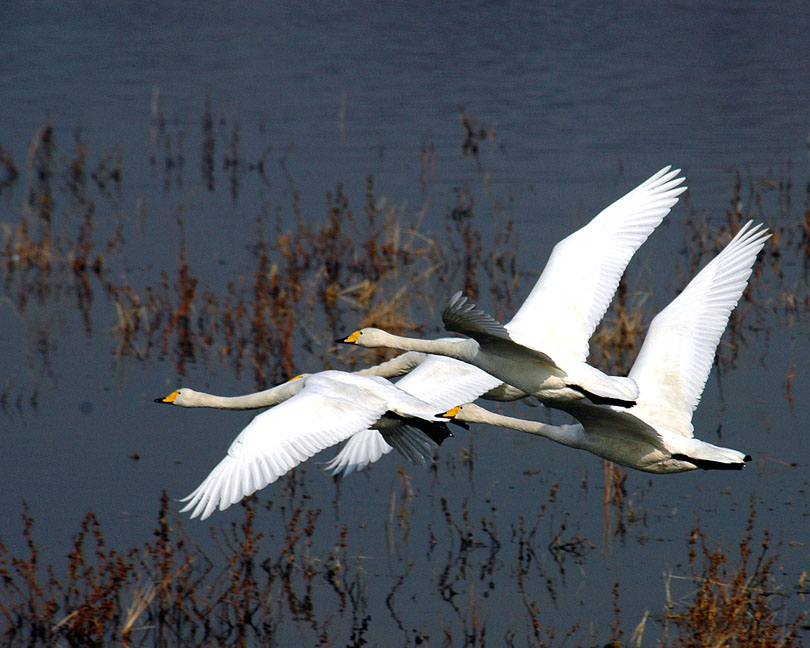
(579, 105)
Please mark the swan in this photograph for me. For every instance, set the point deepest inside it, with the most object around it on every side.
(436, 379)
(656, 435)
(542, 351)
(406, 438)
(314, 411)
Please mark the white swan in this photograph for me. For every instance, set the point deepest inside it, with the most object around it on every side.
(315, 411)
(656, 435)
(543, 349)
(415, 440)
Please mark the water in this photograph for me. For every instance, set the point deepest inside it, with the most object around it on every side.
(577, 106)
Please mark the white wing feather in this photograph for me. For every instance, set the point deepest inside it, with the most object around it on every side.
(279, 439)
(443, 382)
(582, 274)
(358, 452)
(675, 360)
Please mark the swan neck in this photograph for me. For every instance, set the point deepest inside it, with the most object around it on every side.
(565, 434)
(266, 398)
(452, 348)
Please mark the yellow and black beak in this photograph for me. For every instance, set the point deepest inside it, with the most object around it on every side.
(351, 339)
(168, 400)
(451, 413)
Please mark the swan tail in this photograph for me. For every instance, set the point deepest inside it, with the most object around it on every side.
(710, 457)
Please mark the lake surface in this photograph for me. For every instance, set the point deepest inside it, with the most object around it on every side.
(186, 135)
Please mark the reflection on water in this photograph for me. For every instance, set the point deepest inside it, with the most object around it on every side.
(284, 571)
(198, 213)
(285, 564)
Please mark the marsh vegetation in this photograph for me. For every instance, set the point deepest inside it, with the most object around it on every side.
(461, 568)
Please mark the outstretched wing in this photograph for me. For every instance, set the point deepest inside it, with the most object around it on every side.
(278, 440)
(463, 316)
(676, 357)
(582, 274)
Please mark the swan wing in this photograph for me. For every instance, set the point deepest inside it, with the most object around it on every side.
(370, 445)
(463, 316)
(276, 441)
(362, 448)
(617, 423)
(677, 354)
(446, 382)
(584, 269)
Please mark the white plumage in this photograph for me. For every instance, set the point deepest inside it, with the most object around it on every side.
(656, 434)
(320, 410)
(443, 382)
(542, 350)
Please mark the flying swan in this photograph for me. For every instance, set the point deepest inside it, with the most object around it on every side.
(314, 411)
(542, 351)
(656, 435)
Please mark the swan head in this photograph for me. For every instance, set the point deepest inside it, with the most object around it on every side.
(183, 397)
(468, 413)
(366, 337)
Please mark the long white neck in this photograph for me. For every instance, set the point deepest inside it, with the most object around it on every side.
(570, 435)
(266, 398)
(459, 348)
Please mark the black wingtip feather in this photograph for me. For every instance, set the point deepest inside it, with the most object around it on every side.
(436, 431)
(602, 400)
(707, 464)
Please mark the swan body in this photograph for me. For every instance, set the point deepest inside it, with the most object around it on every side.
(313, 413)
(542, 351)
(441, 381)
(656, 435)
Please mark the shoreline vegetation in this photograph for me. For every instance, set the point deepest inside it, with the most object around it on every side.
(364, 261)
(169, 591)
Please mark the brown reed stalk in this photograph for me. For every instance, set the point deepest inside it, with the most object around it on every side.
(734, 604)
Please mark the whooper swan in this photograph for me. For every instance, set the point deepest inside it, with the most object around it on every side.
(543, 350)
(656, 435)
(316, 411)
